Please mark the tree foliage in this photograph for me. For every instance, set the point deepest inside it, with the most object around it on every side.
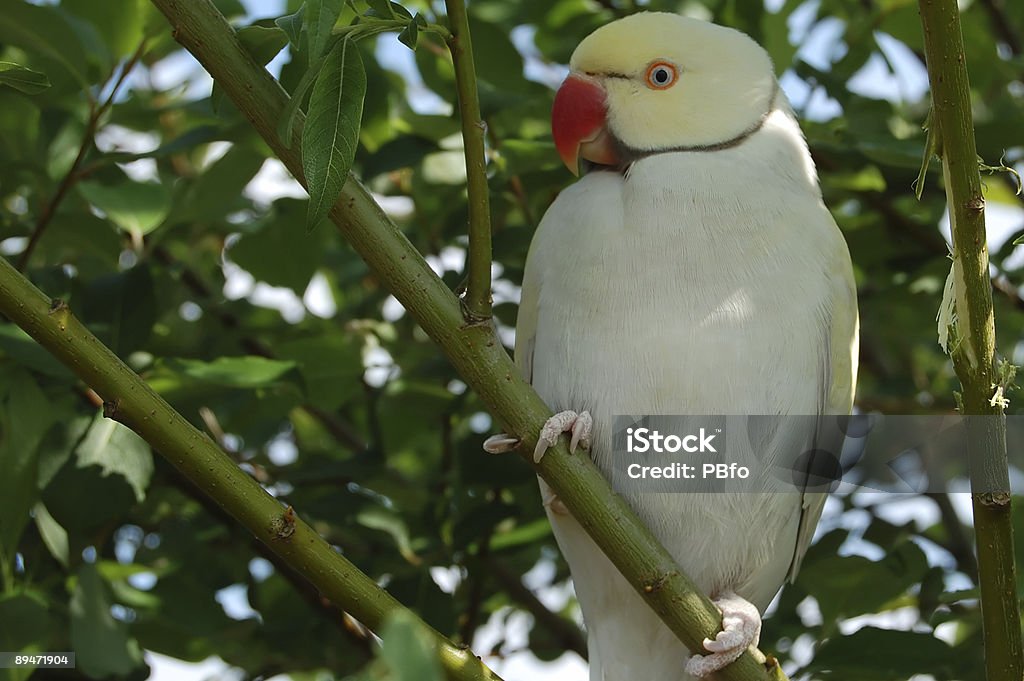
(139, 195)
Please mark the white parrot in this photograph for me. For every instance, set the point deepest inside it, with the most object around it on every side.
(692, 270)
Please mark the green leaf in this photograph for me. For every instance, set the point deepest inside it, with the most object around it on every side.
(234, 372)
(290, 113)
(381, 8)
(258, 252)
(872, 654)
(101, 643)
(54, 536)
(230, 8)
(29, 611)
(136, 207)
(20, 347)
(22, 79)
(218, 191)
(45, 32)
(408, 649)
(120, 308)
(378, 518)
(262, 42)
(25, 416)
(118, 22)
(332, 128)
(321, 16)
(119, 451)
(331, 366)
(846, 586)
(410, 35)
(292, 25)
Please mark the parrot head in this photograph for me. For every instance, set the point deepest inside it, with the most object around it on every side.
(655, 82)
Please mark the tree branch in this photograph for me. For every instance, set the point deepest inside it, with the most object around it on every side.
(478, 289)
(129, 400)
(974, 356)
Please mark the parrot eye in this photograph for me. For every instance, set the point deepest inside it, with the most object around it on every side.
(661, 75)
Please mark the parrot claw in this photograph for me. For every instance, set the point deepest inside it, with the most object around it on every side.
(579, 424)
(502, 443)
(741, 628)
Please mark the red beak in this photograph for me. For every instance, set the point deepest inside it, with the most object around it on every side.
(578, 123)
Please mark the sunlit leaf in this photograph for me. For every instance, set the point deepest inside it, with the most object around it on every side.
(138, 207)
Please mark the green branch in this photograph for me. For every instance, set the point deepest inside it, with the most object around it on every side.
(974, 343)
(474, 131)
(128, 399)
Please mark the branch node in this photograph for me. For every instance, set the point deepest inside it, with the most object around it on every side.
(60, 311)
(283, 527)
(111, 407)
(659, 582)
(998, 499)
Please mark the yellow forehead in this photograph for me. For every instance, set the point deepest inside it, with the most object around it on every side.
(626, 46)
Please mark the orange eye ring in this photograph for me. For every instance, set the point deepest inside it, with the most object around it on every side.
(661, 75)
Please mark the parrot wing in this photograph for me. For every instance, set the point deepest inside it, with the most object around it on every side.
(839, 377)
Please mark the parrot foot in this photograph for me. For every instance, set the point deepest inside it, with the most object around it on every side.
(502, 443)
(741, 628)
(579, 424)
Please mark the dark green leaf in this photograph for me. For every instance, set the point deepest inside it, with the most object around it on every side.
(292, 25)
(120, 308)
(321, 16)
(872, 654)
(22, 79)
(332, 128)
(53, 535)
(410, 35)
(33, 630)
(382, 8)
(25, 416)
(101, 643)
(45, 32)
(262, 43)
(290, 113)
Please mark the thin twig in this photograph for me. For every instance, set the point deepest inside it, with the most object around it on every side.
(567, 633)
(1002, 25)
(72, 176)
(958, 544)
(477, 300)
